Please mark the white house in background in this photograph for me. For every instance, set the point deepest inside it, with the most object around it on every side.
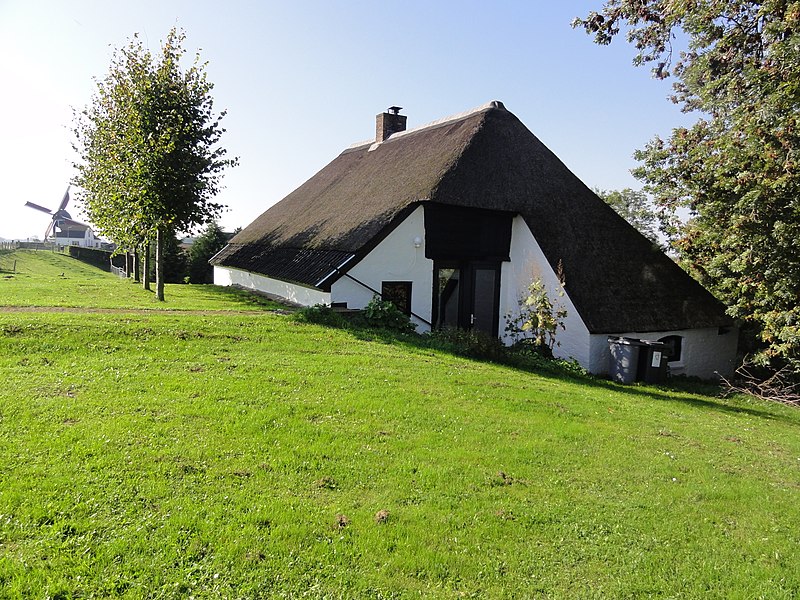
(63, 230)
(453, 220)
(72, 233)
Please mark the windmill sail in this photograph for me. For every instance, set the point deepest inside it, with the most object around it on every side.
(64, 201)
(37, 207)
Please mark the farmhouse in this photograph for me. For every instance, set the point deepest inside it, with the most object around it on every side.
(453, 220)
(72, 233)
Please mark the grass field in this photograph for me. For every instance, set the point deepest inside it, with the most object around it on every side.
(223, 450)
(43, 278)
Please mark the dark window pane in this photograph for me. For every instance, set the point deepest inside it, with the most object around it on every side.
(398, 293)
(675, 343)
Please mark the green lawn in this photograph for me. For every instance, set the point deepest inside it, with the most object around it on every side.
(43, 278)
(242, 454)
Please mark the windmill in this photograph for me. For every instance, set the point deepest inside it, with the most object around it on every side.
(60, 219)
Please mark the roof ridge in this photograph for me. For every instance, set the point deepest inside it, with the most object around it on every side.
(494, 104)
(456, 117)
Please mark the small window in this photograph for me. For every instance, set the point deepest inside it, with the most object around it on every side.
(674, 343)
(399, 294)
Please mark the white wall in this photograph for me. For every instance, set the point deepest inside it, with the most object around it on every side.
(298, 294)
(704, 352)
(395, 258)
(528, 263)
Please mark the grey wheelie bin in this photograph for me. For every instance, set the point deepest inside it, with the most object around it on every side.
(624, 358)
(653, 362)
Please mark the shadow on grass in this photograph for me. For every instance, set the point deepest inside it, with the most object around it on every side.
(699, 394)
(703, 395)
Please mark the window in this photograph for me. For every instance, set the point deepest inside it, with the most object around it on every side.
(446, 297)
(399, 294)
(674, 343)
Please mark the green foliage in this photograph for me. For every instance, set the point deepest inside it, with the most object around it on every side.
(525, 354)
(635, 207)
(92, 256)
(533, 357)
(149, 160)
(384, 314)
(384, 318)
(175, 260)
(471, 343)
(211, 241)
(320, 314)
(737, 169)
(538, 318)
(378, 314)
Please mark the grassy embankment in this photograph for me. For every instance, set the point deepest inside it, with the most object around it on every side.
(237, 454)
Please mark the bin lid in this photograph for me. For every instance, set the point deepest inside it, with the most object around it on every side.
(655, 345)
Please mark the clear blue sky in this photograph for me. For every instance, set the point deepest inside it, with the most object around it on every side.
(303, 80)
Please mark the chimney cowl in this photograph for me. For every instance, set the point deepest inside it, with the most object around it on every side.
(388, 123)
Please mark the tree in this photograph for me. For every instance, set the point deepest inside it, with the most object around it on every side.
(635, 208)
(211, 241)
(149, 160)
(737, 169)
(176, 261)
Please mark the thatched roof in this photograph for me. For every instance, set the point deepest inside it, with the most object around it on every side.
(487, 158)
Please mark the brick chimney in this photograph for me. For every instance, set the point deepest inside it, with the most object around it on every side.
(388, 123)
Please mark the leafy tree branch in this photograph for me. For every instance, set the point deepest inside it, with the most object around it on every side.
(737, 169)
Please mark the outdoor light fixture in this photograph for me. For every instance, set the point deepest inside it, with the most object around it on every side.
(417, 242)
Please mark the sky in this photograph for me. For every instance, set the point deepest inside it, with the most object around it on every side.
(302, 80)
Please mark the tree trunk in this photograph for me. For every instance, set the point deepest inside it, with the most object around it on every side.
(136, 266)
(160, 233)
(147, 266)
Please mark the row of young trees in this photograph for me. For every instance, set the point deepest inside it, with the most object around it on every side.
(737, 169)
(187, 266)
(149, 161)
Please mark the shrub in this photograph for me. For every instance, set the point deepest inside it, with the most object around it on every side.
(538, 318)
(474, 344)
(526, 354)
(532, 347)
(320, 314)
(384, 314)
(91, 256)
(381, 315)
